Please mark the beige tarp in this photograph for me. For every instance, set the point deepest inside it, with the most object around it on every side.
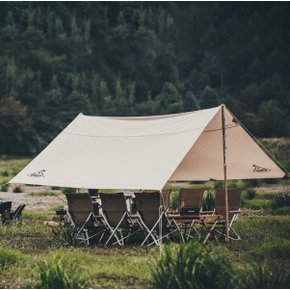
(146, 152)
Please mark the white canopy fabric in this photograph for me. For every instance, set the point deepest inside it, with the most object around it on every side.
(147, 152)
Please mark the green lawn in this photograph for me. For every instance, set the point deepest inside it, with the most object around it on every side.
(265, 239)
(264, 230)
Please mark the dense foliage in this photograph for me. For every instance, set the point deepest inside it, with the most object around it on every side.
(134, 58)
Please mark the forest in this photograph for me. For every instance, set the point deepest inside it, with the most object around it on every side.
(58, 59)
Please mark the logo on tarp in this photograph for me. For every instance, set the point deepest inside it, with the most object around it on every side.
(37, 173)
(260, 169)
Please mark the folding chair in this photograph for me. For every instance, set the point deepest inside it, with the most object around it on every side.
(82, 217)
(117, 218)
(190, 203)
(150, 214)
(166, 198)
(234, 205)
(5, 209)
(190, 200)
(16, 215)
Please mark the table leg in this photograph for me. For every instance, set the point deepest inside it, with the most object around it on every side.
(209, 231)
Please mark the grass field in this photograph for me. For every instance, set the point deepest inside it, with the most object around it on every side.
(263, 225)
(265, 240)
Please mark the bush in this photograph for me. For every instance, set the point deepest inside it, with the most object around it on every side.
(5, 173)
(208, 201)
(282, 199)
(173, 204)
(9, 256)
(218, 184)
(4, 186)
(69, 190)
(52, 275)
(233, 184)
(191, 266)
(15, 171)
(249, 193)
(195, 266)
(251, 183)
(65, 236)
(17, 189)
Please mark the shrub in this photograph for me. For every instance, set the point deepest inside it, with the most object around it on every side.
(218, 184)
(282, 199)
(5, 173)
(17, 189)
(9, 256)
(4, 186)
(68, 190)
(251, 183)
(233, 184)
(52, 275)
(249, 193)
(191, 266)
(15, 171)
(208, 201)
(173, 200)
(65, 236)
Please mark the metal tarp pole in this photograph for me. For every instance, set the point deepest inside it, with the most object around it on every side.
(225, 172)
(160, 222)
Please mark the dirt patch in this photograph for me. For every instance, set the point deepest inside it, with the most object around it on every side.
(34, 203)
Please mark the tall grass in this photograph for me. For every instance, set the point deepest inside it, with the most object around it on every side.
(208, 200)
(281, 199)
(68, 190)
(53, 275)
(194, 266)
(4, 185)
(264, 277)
(191, 266)
(44, 193)
(8, 256)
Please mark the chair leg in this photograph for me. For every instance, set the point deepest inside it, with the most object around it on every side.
(177, 228)
(192, 227)
(116, 229)
(151, 231)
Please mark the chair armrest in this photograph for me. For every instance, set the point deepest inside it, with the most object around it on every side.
(234, 211)
(206, 212)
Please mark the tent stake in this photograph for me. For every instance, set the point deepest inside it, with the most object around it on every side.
(225, 173)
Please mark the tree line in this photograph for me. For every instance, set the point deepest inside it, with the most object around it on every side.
(132, 58)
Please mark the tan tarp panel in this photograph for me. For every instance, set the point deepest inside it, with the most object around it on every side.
(146, 152)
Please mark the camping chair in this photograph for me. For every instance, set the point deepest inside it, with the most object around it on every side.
(190, 203)
(234, 204)
(82, 217)
(150, 214)
(190, 200)
(16, 215)
(116, 217)
(166, 198)
(5, 209)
